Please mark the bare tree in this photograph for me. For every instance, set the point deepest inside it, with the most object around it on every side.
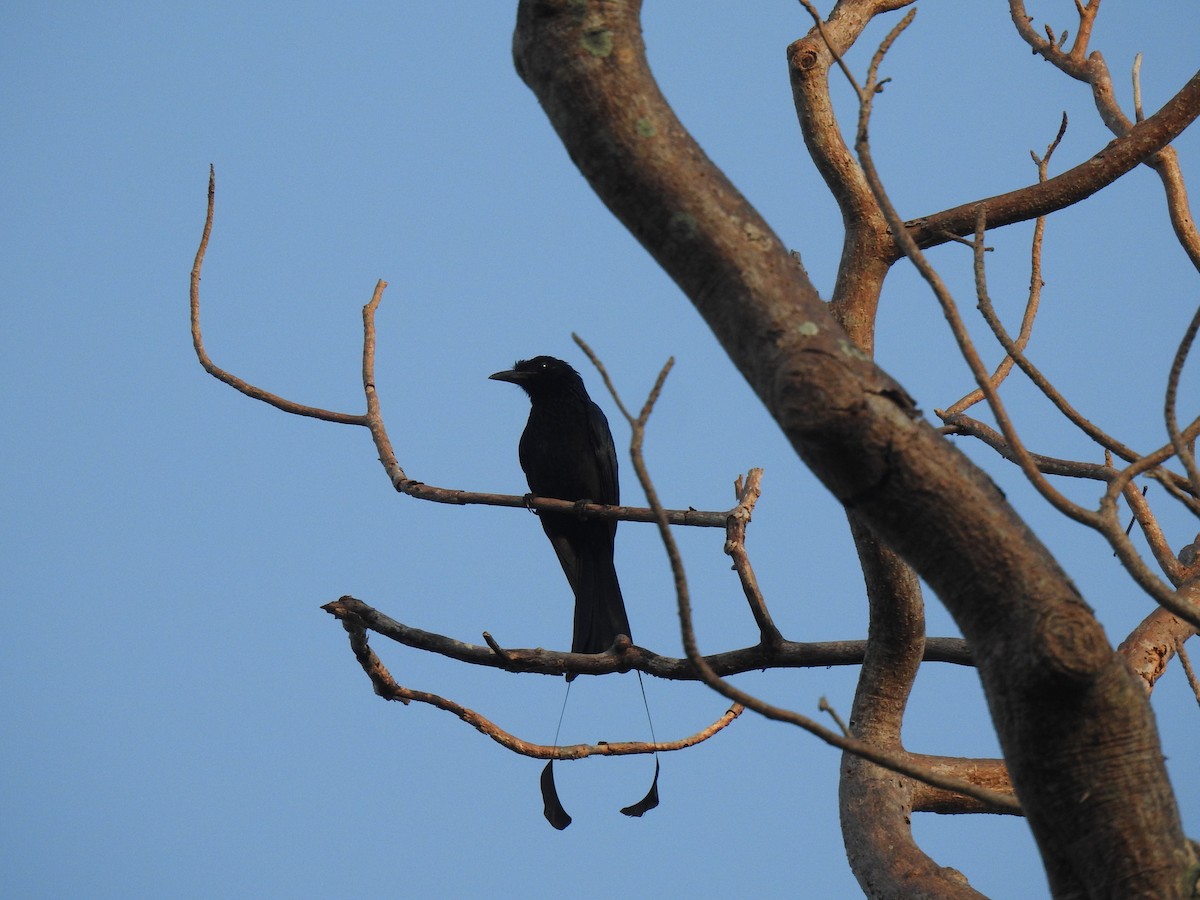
(1081, 753)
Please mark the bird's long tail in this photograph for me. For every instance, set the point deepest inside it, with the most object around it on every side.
(599, 607)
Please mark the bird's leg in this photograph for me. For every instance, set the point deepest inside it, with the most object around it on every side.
(529, 504)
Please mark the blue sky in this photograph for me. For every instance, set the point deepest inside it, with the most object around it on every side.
(183, 720)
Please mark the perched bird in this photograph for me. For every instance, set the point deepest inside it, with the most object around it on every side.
(567, 453)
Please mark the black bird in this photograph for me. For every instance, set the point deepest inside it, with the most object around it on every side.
(567, 453)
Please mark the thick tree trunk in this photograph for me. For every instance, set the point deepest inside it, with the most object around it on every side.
(876, 804)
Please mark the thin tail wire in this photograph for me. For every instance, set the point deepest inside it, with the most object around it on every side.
(646, 704)
(562, 712)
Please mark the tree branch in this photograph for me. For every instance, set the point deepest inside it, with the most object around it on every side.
(372, 419)
(1066, 865)
(1120, 156)
(1150, 646)
(735, 547)
(387, 688)
(787, 655)
(1033, 300)
(256, 393)
(1093, 71)
(1184, 450)
(857, 430)
(867, 247)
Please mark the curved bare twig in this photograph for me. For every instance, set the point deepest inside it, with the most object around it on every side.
(1148, 522)
(747, 493)
(256, 393)
(1033, 300)
(1185, 451)
(387, 688)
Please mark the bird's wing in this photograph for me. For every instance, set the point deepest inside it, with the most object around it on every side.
(605, 454)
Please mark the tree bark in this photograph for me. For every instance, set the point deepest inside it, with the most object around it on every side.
(876, 804)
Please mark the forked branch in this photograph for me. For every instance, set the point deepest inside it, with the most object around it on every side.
(1091, 69)
(1121, 155)
(372, 420)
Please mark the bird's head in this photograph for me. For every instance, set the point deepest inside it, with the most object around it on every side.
(541, 375)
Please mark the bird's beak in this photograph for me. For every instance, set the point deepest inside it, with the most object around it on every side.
(508, 375)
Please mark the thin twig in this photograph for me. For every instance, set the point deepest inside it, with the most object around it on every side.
(747, 493)
(1056, 498)
(500, 652)
(1047, 465)
(1185, 451)
(874, 84)
(1138, 113)
(1148, 463)
(693, 517)
(1015, 352)
(288, 406)
(1148, 522)
(826, 707)
(1182, 601)
(837, 57)
(1035, 283)
(1051, 465)
(1188, 671)
(1087, 18)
